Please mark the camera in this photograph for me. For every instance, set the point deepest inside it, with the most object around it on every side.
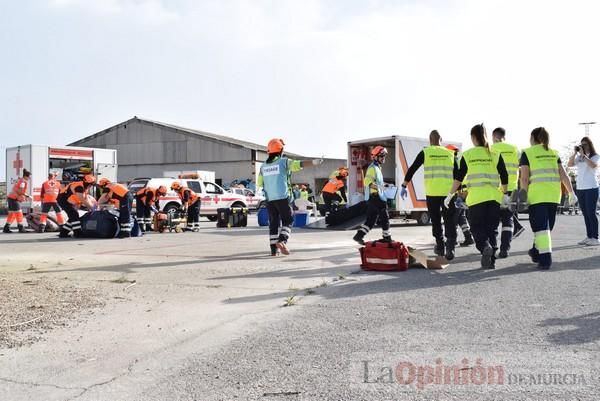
(577, 148)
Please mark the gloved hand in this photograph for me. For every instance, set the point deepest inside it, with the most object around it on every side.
(317, 162)
(505, 202)
(572, 199)
(448, 200)
(154, 209)
(403, 193)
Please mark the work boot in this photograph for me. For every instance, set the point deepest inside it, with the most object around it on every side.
(468, 240)
(487, 258)
(148, 227)
(449, 251)
(387, 239)
(503, 254)
(124, 234)
(274, 250)
(77, 233)
(439, 248)
(64, 233)
(534, 255)
(542, 267)
(21, 228)
(42, 228)
(359, 237)
(7, 229)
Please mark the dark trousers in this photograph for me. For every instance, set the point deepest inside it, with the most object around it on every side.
(193, 215)
(484, 218)
(142, 212)
(506, 218)
(47, 206)
(437, 211)
(588, 198)
(280, 214)
(542, 218)
(329, 198)
(460, 217)
(73, 223)
(125, 205)
(376, 212)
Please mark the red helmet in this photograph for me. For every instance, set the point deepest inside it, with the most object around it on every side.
(103, 182)
(89, 179)
(275, 146)
(378, 151)
(162, 190)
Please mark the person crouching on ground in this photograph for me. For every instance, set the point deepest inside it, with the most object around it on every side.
(375, 197)
(120, 193)
(274, 177)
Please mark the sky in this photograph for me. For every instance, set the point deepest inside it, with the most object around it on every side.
(316, 73)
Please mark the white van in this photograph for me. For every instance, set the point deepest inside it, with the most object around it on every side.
(212, 196)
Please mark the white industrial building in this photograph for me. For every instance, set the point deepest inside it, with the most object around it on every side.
(147, 148)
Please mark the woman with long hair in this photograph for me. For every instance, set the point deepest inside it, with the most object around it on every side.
(586, 160)
(487, 184)
(541, 175)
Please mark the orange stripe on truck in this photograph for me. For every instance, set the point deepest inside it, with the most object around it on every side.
(412, 192)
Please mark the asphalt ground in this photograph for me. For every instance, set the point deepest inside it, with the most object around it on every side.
(205, 321)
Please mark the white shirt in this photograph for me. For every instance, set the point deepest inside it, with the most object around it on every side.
(586, 176)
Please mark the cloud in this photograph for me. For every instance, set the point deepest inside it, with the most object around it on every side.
(147, 11)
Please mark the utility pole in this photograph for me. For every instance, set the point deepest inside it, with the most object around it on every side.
(587, 127)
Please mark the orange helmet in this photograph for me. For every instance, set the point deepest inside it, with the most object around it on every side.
(89, 179)
(343, 171)
(378, 151)
(275, 146)
(452, 148)
(175, 185)
(103, 182)
(162, 190)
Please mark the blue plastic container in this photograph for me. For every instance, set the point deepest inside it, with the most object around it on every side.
(300, 219)
(263, 216)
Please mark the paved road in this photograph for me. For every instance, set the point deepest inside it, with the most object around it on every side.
(420, 334)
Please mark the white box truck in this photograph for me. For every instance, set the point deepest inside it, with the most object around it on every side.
(402, 151)
(70, 162)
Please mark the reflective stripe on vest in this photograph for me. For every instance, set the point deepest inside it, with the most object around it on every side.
(510, 155)
(544, 176)
(51, 189)
(439, 168)
(482, 173)
(276, 179)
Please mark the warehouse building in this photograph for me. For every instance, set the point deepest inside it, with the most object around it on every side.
(147, 148)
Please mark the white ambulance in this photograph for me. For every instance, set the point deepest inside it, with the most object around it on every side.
(402, 151)
(212, 196)
(69, 162)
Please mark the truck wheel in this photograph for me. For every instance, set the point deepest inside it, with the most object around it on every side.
(212, 218)
(422, 218)
(238, 204)
(171, 206)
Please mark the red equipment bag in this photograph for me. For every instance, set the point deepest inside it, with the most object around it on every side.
(384, 256)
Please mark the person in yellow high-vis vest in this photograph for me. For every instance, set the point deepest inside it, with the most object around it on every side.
(487, 183)
(440, 168)
(542, 173)
(510, 223)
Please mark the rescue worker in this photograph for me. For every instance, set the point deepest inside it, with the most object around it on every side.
(70, 199)
(460, 215)
(49, 194)
(375, 197)
(190, 202)
(335, 184)
(440, 169)
(510, 223)
(146, 200)
(17, 195)
(487, 183)
(541, 175)
(304, 192)
(275, 179)
(112, 191)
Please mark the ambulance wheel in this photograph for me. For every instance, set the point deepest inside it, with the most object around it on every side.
(212, 218)
(422, 218)
(171, 206)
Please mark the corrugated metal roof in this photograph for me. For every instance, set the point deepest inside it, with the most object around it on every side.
(216, 137)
